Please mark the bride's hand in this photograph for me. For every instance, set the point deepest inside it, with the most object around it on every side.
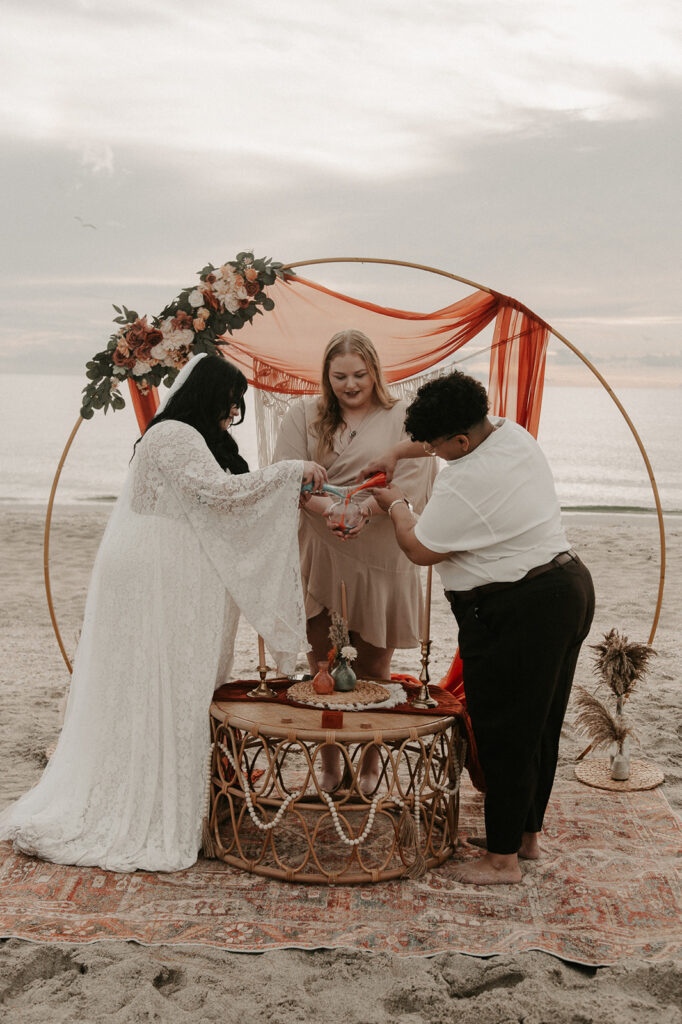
(315, 474)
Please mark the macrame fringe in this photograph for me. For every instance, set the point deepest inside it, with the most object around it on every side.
(418, 868)
(270, 407)
(408, 838)
(407, 832)
(207, 842)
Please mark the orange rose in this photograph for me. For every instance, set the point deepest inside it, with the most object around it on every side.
(199, 324)
(251, 274)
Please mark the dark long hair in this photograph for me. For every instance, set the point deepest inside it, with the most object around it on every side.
(206, 397)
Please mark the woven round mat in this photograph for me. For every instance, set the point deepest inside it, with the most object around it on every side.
(597, 773)
(364, 693)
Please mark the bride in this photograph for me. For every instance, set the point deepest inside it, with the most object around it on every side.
(193, 541)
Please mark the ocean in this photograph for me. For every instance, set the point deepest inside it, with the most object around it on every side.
(596, 462)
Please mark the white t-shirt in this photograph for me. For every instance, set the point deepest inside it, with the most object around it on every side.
(495, 509)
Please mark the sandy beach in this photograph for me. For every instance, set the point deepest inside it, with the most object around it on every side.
(124, 982)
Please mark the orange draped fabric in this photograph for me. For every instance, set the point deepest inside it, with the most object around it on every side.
(282, 351)
(145, 405)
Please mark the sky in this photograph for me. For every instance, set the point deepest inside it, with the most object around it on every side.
(529, 146)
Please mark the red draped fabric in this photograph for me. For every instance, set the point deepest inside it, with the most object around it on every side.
(282, 351)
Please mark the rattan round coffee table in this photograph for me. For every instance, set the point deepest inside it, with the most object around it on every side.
(268, 813)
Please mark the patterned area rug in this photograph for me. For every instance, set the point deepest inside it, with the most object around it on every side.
(604, 890)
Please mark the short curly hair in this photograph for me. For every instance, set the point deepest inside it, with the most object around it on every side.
(446, 406)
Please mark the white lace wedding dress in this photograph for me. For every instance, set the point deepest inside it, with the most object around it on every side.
(188, 548)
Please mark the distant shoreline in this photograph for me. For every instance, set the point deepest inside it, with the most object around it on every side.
(102, 500)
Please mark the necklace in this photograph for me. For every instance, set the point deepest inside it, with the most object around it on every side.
(353, 431)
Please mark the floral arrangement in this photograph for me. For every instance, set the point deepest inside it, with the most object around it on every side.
(154, 351)
(341, 649)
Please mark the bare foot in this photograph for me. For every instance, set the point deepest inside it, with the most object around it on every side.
(490, 869)
(330, 768)
(530, 848)
(370, 772)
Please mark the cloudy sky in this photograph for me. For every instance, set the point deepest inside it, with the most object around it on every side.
(531, 146)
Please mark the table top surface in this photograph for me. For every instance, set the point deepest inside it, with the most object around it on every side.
(279, 720)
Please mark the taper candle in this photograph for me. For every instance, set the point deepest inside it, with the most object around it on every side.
(261, 652)
(344, 602)
(426, 622)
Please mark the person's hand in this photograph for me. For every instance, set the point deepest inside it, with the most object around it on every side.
(385, 463)
(385, 495)
(315, 474)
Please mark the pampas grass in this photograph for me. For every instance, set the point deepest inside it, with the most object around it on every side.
(621, 664)
(597, 722)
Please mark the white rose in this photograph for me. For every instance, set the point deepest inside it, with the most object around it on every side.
(195, 298)
(140, 368)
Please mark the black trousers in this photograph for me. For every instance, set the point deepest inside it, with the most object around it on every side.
(519, 649)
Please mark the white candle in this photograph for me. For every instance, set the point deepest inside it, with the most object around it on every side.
(426, 622)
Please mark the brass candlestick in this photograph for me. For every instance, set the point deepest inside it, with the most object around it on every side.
(262, 690)
(424, 698)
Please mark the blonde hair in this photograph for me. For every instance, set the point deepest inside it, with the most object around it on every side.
(329, 417)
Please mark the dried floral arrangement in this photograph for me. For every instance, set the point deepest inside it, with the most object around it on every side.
(619, 665)
(341, 649)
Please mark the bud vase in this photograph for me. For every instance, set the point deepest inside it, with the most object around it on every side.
(323, 682)
(344, 677)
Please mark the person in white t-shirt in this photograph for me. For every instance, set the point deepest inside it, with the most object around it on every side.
(523, 601)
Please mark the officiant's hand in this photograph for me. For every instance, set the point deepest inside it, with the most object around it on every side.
(315, 474)
(385, 463)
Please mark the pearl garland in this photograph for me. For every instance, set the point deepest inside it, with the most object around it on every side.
(262, 825)
(337, 824)
(207, 796)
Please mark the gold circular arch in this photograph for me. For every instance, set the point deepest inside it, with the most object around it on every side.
(439, 273)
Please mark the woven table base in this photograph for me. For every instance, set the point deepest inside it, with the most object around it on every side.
(597, 773)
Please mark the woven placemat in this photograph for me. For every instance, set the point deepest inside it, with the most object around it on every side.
(364, 693)
(597, 772)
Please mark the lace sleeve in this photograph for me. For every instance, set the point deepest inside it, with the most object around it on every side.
(180, 455)
(247, 526)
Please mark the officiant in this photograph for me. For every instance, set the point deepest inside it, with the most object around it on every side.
(522, 598)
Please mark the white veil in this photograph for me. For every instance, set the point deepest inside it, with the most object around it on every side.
(179, 380)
